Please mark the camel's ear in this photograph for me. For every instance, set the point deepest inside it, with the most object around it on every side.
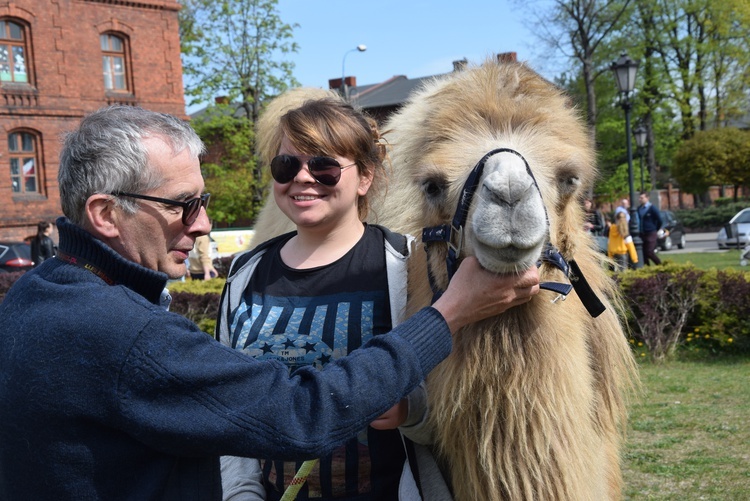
(101, 217)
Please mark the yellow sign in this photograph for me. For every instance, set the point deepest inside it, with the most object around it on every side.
(232, 241)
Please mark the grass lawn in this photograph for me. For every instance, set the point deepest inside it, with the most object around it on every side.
(689, 433)
(706, 260)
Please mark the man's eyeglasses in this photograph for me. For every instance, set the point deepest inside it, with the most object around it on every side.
(325, 170)
(190, 208)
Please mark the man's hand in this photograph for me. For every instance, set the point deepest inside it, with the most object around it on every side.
(475, 294)
(393, 417)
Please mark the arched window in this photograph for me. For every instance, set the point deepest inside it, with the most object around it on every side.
(13, 64)
(23, 152)
(114, 62)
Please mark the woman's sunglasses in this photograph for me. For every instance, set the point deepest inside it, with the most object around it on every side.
(325, 170)
(190, 208)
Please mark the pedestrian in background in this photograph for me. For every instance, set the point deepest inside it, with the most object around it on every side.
(595, 222)
(621, 243)
(42, 246)
(651, 222)
(624, 207)
(200, 260)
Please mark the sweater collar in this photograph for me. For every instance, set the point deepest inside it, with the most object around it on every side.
(81, 245)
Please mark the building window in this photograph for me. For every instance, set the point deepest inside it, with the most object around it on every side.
(113, 63)
(24, 162)
(13, 66)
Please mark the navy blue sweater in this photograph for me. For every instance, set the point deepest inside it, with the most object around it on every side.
(105, 395)
(650, 218)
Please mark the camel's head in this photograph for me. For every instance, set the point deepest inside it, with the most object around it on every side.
(529, 190)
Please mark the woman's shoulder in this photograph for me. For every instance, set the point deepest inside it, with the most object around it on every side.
(398, 241)
(241, 259)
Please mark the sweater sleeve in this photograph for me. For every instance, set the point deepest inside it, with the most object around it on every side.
(184, 393)
(631, 249)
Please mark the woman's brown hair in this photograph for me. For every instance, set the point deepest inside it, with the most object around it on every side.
(331, 127)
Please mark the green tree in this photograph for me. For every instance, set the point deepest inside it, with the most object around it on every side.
(700, 47)
(230, 165)
(582, 31)
(717, 156)
(235, 49)
(693, 74)
(233, 58)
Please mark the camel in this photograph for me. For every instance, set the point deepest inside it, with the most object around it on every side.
(531, 404)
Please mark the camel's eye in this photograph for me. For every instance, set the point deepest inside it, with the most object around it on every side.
(434, 187)
(568, 183)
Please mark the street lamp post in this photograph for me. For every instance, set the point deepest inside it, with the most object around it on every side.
(640, 133)
(624, 70)
(344, 91)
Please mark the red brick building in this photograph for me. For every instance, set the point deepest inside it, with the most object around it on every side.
(62, 59)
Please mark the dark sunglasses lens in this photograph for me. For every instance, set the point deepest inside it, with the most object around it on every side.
(325, 170)
(193, 209)
(284, 168)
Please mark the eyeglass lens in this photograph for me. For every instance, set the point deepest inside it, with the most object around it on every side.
(191, 211)
(325, 170)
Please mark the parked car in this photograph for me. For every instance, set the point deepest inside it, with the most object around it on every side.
(15, 256)
(671, 233)
(736, 233)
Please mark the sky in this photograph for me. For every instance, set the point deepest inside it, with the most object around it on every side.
(414, 38)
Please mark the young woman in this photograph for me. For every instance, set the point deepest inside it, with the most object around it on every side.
(621, 243)
(320, 292)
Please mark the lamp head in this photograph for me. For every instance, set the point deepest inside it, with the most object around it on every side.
(624, 69)
(361, 48)
(640, 134)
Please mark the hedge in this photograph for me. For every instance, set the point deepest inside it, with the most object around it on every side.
(680, 307)
(670, 308)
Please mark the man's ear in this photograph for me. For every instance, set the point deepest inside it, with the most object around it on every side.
(101, 217)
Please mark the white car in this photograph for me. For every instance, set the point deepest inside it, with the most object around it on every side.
(736, 233)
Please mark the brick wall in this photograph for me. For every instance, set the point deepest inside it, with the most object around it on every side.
(673, 199)
(64, 60)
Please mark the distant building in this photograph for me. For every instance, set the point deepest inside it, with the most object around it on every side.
(382, 99)
(60, 60)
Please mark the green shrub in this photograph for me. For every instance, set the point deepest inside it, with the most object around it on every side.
(200, 308)
(679, 309)
(661, 299)
(197, 300)
(712, 217)
(215, 285)
(721, 322)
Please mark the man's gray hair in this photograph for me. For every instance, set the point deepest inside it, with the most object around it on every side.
(106, 154)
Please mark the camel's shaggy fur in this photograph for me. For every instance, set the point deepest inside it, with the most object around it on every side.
(530, 404)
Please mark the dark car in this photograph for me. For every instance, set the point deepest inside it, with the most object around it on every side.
(671, 233)
(15, 256)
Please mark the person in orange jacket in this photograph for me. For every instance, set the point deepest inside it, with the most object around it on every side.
(621, 243)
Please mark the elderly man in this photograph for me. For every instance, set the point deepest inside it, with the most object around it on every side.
(624, 207)
(106, 395)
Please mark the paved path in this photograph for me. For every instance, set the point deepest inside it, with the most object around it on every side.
(697, 242)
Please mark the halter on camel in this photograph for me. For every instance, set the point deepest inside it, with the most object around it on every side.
(550, 254)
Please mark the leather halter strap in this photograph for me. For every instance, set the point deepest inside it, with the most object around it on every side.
(452, 235)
